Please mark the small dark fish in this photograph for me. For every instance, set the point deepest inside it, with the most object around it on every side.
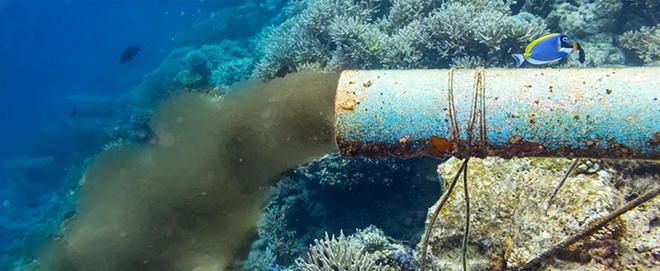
(517, 6)
(129, 53)
(69, 214)
(73, 113)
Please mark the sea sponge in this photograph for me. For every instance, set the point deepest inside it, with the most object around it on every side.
(190, 199)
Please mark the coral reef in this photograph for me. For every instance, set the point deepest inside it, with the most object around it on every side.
(392, 34)
(348, 34)
(644, 43)
(481, 28)
(367, 249)
(583, 19)
(232, 21)
(233, 41)
(593, 24)
(510, 222)
(392, 194)
(204, 69)
(340, 253)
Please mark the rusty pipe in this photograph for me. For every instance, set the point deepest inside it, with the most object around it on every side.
(596, 113)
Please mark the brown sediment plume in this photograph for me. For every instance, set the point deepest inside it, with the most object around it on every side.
(190, 199)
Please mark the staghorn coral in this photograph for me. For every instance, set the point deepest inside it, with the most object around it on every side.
(467, 62)
(405, 12)
(348, 34)
(467, 27)
(645, 43)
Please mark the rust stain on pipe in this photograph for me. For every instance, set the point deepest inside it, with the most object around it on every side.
(597, 113)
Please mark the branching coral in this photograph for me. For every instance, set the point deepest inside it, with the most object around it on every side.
(392, 34)
(645, 43)
(404, 12)
(465, 27)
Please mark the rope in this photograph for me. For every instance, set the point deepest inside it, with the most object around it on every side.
(478, 98)
(443, 201)
(452, 107)
(466, 230)
(481, 89)
(477, 107)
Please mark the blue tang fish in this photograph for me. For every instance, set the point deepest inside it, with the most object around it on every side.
(548, 49)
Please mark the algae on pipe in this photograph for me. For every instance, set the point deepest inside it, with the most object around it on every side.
(598, 113)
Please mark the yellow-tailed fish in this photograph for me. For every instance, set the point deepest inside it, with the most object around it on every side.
(548, 49)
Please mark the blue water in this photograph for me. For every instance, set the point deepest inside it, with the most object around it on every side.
(51, 52)
(54, 49)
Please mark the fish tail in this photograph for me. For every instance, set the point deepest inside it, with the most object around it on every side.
(581, 52)
(520, 59)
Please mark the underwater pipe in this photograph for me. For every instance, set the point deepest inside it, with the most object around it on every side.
(597, 113)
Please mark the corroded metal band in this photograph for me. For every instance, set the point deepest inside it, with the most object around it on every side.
(599, 113)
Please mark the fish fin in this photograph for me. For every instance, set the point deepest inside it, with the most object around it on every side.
(543, 62)
(565, 50)
(580, 52)
(520, 59)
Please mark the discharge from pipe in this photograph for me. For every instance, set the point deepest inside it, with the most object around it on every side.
(595, 113)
